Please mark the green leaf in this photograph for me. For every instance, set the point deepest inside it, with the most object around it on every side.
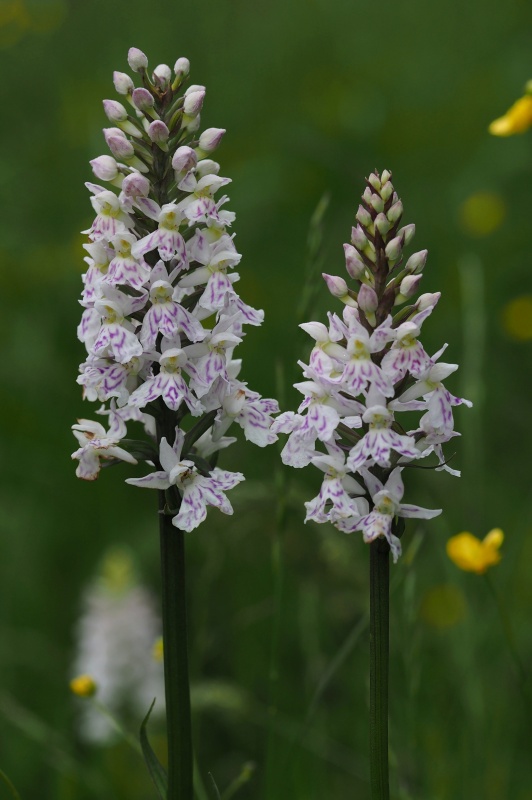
(157, 773)
(9, 785)
(216, 791)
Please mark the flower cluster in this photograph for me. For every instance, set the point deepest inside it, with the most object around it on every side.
(161, 313)
(367, 366)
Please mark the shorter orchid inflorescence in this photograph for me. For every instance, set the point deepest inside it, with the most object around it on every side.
(162, 316)
(367, 366)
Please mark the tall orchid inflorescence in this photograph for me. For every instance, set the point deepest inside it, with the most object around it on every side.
(367, 367)
(162, 316)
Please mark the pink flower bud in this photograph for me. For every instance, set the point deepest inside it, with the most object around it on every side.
(118, 143)
(157, 131)
(407, 232)
(104, 167)
(162, 75)
(395, 213)
(184, 159)
(409, 285)
(136, 185)
(337, 286)
(353, 263)
(143, 99)
(114, 111)
(427, 300)
(367, 299)
(123, 83)
(207, 167)
(193, 103)
(394, 248)
(210, 139)
(358, 238)
(416, 262)
(364, 217)
(182, 67)
(137, 60)
(382, 224)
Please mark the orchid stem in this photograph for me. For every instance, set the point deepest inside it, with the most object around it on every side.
(176, 682)
(378, 667)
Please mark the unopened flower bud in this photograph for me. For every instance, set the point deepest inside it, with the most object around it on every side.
(193, 103)
(395, 213)
(210, 139)
(374, 181)
(353, 263)
(182, 68)
(137, 60)
(157, 131)
(184, 159)
(387, 191)
(114, 111)
(123, 83)
(394, 248)
(427, 300)
(416, 262)
(367, 195)
(407, 233)
(136, 185)
(162, 75)
(358, 238)
(364, 217)
(408, 288)
(118, 143)
(143, 99)
(377, 203)
(105, 168)
(367, 299)
(338, 288)
(385, 177)
(207, 167)
(382, 224)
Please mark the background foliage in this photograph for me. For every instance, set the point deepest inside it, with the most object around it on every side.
(314, 95)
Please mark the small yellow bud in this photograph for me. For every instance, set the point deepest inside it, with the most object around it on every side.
(83, 686)
(517, 119)
(475, 555)
(158, 649)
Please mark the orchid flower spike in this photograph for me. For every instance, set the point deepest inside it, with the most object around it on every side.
(366, 368)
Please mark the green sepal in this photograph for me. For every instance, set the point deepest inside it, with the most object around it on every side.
(9, 785)
(157, 773)
(198, 430)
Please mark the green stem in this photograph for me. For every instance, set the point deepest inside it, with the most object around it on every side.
(379, 578)
(178, 722)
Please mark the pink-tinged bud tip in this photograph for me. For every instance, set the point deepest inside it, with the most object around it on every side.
(114, 111)
(353, 263)
(210, 139)
(367, 299)
(123, 83)
(158, 132)
(184, 159)
(336, 285)
(409, 285)
(416, 262)
(193, 103)
(427, 300)
(143, 99)
(118, 143)
(182, 67)
(136, 59)
(136, 185)
(104, 167)
(162, 75)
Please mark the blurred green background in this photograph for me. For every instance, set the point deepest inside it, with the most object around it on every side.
(314, 95)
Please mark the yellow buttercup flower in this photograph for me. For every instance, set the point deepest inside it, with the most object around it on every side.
(517, 119)
(83, 686)
(158, 649)
(475, 555)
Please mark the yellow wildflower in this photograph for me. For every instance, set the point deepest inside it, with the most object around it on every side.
(158, 649)
(475, 555)
(517, 318)
(517, 119)
(83, 686)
